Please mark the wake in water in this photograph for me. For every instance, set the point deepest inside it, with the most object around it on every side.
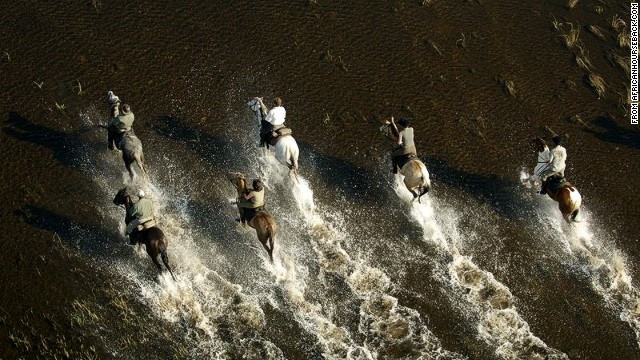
(595, 253)
(388, 328)
(220, 319)
(500, 324)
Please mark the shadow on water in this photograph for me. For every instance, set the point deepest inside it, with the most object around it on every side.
(90, 240)
(500, 194)
(218, 151)
(613, 133)
(68, 148)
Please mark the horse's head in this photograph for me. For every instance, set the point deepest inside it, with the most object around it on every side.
(238, 180)
(256, 104)
(385, 129)
(537, 144)
(121, 197)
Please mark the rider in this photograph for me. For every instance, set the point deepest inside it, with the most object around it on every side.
(252, 201)
(406, 147)
(558, 163)
(274, 121)
(119, 125)
(142, 213)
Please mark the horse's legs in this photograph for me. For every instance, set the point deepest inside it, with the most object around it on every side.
(127, 164)
(153, 252)
(165, 260)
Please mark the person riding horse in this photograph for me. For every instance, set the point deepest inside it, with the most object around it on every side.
(406, 149)
(251, 202)
(555, 173)
(119, 124)
(272, 126)
(142, 217)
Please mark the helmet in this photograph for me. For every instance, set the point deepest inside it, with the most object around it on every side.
(141, 193)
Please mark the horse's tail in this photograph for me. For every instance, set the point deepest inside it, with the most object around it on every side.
(425, 184)
(293, 164)
(575, 200)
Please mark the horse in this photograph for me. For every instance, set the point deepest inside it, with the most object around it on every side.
(416, 175)
(127, 142)
(286, 148)
(131, 147)
(153, 238)
(565, 194)
(263, 222)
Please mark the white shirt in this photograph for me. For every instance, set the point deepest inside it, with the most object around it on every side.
(276, 116)
(559, 157)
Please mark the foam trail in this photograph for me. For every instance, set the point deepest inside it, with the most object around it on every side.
(200, 300)
(384, 323)
(500, 326)
(607, 265)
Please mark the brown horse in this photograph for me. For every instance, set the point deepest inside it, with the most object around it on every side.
(567, 197)
(565, 194)
(263, 222)
(416, 176)
(153, 238)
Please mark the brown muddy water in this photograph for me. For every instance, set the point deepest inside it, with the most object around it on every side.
(483, 268)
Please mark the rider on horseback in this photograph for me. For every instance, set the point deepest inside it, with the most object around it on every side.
(142, 214)
(251, 202)
(558, 164)
(273, 123)
(406, 148)
(119, 125)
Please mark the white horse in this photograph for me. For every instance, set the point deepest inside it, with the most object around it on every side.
(416, 176)
(286, 148)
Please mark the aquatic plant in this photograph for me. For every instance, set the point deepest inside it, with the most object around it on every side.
(572, 4)
(597, 31)
(507, 86)
(597, 84)
(39, 85)
(7, 55)
(79, 86)
(462, 42)
(621, 61)
(624, 39)
(60, 107)
(617, 23)
(582, 60)
(571, 39)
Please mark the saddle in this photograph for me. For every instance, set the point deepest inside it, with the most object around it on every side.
(271, 137)
(401, 160)
(554, 183)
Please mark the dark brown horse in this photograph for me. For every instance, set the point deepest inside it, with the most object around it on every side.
(153, 238)
(560, 190)
(263, 222)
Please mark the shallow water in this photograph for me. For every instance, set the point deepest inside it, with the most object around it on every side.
(481, 268)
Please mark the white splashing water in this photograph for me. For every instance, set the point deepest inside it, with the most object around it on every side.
(383, 321)
(607, 265)
(500, 326)
(200, 299)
